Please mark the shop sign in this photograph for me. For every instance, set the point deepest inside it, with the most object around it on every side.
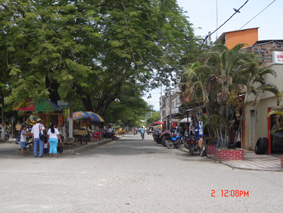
(62, 104)
(277, 57)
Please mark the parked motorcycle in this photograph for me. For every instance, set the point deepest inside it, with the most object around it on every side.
(110, 135)
(192, 145)
(173, 140)
(156, 136)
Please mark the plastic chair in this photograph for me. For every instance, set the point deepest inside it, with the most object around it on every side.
(96, 135)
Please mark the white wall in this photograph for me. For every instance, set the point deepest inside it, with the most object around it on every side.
(268, 101)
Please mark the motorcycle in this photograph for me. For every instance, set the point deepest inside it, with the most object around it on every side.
(173, 140)
(110, 135)
(156, 136)
(192, 145)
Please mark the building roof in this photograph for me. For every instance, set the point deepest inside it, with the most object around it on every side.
(222, 36)
(268, 41)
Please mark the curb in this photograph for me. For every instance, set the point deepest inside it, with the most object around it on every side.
(88, 147)
(241, 168)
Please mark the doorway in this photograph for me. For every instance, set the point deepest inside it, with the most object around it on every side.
(253, 120)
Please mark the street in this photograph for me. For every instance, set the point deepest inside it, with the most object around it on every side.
(131, 175)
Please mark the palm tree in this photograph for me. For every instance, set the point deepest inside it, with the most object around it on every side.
(253, 82)
(219, 80)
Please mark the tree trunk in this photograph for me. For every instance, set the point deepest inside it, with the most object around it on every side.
(3, 118)
(227, 126)
(241, 121)
(103, 110)
(85, 98)
(52, 87)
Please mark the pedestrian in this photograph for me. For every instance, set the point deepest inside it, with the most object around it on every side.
(36, 130)
(24, 135)
(45, 148)
(18, 131)
(53, 137)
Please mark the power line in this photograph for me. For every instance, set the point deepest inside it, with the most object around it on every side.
(258, 14)
(236, 11)
(253, 18)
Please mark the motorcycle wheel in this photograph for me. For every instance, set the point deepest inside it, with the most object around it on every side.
(169, 144)
(192, 151)
(178, 143)
(162, 141)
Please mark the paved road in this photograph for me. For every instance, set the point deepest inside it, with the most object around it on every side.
(131, 175)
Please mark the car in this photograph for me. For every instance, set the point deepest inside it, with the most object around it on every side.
(121, 131)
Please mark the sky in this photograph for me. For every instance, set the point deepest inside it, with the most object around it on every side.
(207, 15)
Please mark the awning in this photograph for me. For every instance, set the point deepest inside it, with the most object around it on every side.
(186, 120)
(158, 122)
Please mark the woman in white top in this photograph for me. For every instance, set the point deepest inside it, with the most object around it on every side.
(53, 136)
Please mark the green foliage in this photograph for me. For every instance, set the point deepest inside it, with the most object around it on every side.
(218, 80)
(155, 116)
(91, 50)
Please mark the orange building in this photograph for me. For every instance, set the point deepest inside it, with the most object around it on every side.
(232, 38)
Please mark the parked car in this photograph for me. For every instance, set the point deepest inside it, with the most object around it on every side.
(121, 131)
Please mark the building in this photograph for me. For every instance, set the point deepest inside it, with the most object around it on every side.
(170, 107)
(232, 38)
(256, 123)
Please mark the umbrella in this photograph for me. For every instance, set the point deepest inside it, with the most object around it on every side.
(157, 127)
(95, 117)
(81, 115)
(87, 115)
(40, 105)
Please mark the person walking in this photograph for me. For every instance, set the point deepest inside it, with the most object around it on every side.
(53, 136)
(37, 142)
(142, 132)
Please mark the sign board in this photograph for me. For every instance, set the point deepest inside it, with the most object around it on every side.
(277, 57)
(62, 104)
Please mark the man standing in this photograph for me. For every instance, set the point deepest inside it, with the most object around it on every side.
(37, 142)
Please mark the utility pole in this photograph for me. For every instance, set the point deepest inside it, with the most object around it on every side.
(170, 108)
(160, 103)
(70, 138)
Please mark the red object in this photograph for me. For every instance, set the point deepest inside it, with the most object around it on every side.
(174, 124)
(96, 136)
(43, 105)
(158, 122)
(210, 149)
(229, 154)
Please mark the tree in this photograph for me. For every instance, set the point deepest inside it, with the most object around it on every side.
(155, 116)
(219, 80)
(93, 49)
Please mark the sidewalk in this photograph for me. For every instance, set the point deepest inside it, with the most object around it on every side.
(255, 162)
(10, 149)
